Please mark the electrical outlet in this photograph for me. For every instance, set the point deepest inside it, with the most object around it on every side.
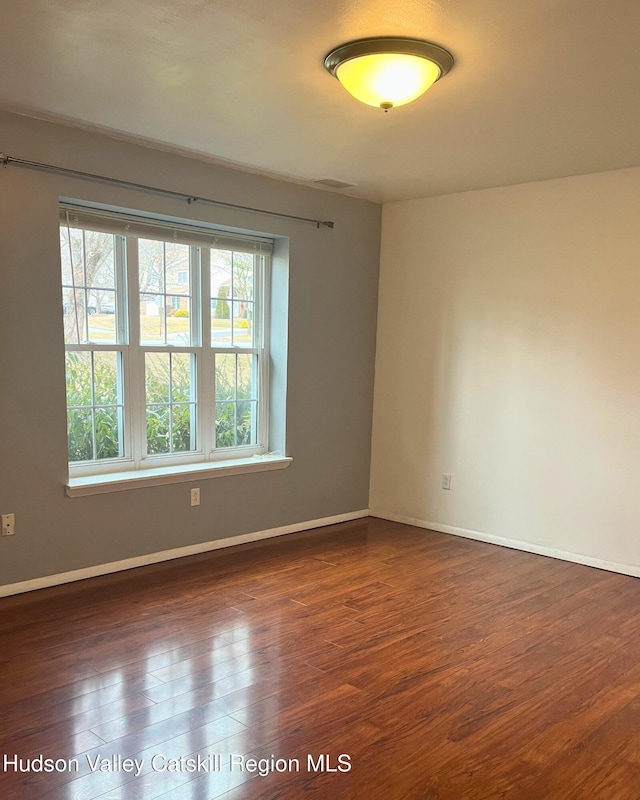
(8, 524)
(195, 497)
(446, 480)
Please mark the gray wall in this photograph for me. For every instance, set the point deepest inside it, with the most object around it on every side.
(333, 278)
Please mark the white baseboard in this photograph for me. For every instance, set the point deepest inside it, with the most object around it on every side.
(204, 547)
(178, 552)
(514, 544)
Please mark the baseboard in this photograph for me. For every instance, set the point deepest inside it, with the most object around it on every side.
(217, 544)
(178, 552)
(514, 544)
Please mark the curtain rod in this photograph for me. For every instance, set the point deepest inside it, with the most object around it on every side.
(5, 160)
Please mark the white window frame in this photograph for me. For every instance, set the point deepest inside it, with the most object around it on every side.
(136, 461)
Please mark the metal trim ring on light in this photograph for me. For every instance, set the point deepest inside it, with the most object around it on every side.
(389, 44)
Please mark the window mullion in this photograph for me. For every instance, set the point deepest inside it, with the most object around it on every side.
(195, 313)
(135, 402)
(206, 378)
(261, 308)
(94, 444)
(85, 294)
(238, 350)
(94, 348)
(170, 403)
(122, 327)
(122, 337)
(258, 338)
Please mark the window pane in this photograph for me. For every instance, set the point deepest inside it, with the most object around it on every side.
(242, 323)
(89, 290)
(170, 390)
(246, 389)
(65, 258)
(225, 424)
(152, 319)
(165, 286)
(102, 317)
(225, 377)
(105, 376)
(178, 289)
(68, 316)
(92, 255)
(220, 325)
(221, 263)
(243, 276)
(72, 251)
(151, 266)
(99, 260)
(80, 434)
(107, 432)
(236, 399)
(94, 405)
(74, 309)
(103, 302)
(158, 430)
(181, 377)
(79, 383)
(182, 425)
(157, 377)
(176, 268)
(246, 423)
(235, 377)
(178, 325)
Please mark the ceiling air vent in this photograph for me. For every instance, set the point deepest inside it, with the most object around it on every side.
(332, 183)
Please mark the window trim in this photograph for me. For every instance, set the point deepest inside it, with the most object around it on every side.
(105, 483)
(136, 466)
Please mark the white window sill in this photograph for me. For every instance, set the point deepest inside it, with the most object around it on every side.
(138, 479)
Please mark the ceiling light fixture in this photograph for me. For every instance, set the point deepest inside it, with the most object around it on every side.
(388, 71)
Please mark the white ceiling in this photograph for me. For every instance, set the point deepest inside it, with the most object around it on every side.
(540, 88)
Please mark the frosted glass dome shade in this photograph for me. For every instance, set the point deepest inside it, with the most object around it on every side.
(388, 71)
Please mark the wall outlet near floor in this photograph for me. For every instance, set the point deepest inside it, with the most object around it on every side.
(8, 524)
(195, 497)
(446, 480)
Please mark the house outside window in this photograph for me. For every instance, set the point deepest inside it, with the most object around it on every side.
(166, 339)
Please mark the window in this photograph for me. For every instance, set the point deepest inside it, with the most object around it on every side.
(166, 338)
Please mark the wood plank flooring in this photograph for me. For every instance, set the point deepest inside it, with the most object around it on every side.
(443, 668)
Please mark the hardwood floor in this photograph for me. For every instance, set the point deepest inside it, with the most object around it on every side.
(443, 668)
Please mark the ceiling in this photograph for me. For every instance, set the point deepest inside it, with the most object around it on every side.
(540, 89)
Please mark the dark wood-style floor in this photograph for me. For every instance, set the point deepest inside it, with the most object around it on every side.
(444, 668)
